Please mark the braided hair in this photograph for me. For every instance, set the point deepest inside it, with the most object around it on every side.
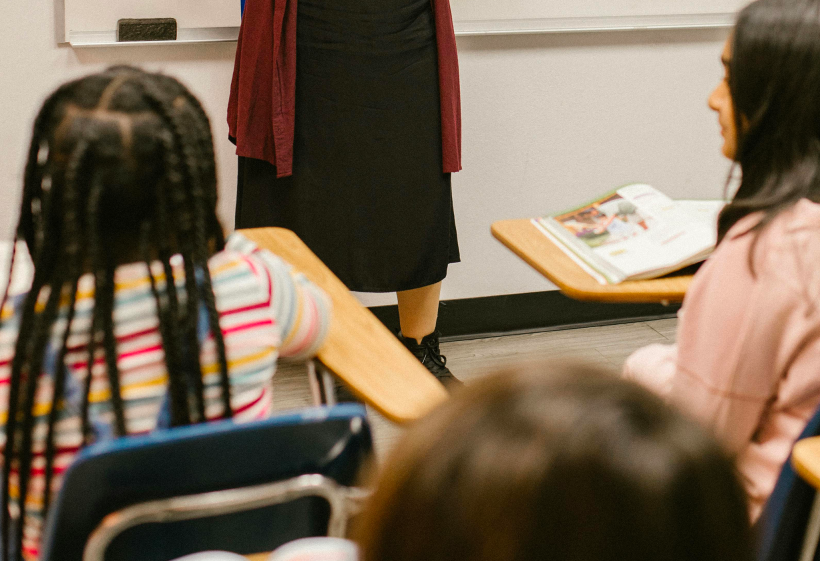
(120, 170)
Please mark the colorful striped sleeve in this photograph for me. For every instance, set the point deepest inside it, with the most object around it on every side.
(300, 308)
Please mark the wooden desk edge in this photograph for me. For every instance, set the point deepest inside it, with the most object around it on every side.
(806, 460)
(598, 292)
(398, 413)
(343, 298)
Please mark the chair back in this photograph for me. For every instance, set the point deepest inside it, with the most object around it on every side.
(782, 525)
(330, 444)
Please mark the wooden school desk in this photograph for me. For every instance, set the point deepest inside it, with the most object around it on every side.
(359, 349)
(806, 460)
(524, 239)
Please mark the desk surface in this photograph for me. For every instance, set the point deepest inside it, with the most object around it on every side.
(806, 460)
(359, 349)
(530, 244)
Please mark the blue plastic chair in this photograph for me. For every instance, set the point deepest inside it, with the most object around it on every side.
(782, 526)
(245, 488)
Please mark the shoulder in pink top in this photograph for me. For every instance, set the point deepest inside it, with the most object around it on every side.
(748, 344)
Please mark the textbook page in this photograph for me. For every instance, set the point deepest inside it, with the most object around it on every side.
(637, 232)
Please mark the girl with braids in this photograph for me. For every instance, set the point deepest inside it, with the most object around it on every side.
(747, 359)
(140, 315)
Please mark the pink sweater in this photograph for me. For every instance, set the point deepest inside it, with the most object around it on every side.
(747, 359)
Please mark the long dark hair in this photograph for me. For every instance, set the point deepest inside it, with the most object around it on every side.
(556, 463)
(120, 169)
(774, 81)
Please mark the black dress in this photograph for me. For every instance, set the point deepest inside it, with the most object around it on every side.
(367, 193)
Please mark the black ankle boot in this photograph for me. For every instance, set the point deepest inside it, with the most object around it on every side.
(430, 356)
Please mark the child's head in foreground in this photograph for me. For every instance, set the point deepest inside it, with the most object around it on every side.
(567, 463)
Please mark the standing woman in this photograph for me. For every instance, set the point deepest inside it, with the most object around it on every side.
(347, 128)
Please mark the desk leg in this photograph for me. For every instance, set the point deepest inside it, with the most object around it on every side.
(322, 385)
(812, 534)
(313, 380)
(329, 385)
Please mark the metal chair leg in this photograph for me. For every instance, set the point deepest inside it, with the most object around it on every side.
(812, 534)
(328, 384)
(315, 384)
(322, 384)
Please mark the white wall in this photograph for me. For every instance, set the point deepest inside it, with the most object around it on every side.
(549, 121)
(32, 65)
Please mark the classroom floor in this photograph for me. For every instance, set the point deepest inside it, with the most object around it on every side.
(468, 360)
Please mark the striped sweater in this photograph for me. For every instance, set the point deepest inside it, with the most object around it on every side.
(266, 310)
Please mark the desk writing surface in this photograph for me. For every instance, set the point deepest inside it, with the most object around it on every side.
(359, 349)
(806, 460)
(530, 244)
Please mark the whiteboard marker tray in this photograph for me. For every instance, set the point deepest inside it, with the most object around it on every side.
(194, 35)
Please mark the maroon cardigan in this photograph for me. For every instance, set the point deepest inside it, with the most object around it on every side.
(261, 108)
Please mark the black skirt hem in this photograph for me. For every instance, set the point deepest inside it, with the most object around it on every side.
(412, 286)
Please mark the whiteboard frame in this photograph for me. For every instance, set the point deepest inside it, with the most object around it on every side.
(462, 28)
(594, 24)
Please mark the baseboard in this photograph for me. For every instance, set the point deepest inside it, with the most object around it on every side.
(521, 313)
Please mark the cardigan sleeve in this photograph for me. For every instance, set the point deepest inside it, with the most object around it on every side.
(261, 105)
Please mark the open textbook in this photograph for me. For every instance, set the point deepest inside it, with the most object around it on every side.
(634, 232)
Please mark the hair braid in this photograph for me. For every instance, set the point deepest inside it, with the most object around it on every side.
(197, 253)
(30, 370)
(14, 398)
(178, 380)
(201, 242)
(180, 414)
(38, 150)
(103, 307)
(32, 377)
(106, 295)
(23, 367)
(181, 202)
(192, 370)
(208, 296)
(74, 256)
(58, 392)
(200, 246)
(191, 258)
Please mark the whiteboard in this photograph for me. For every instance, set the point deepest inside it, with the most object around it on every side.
(204, 20)
(530, 16)
(471, 10)
(94, 22)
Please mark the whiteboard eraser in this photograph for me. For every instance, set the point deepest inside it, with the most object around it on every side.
(152, 29)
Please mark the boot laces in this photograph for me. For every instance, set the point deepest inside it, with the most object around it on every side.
(435, 354)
